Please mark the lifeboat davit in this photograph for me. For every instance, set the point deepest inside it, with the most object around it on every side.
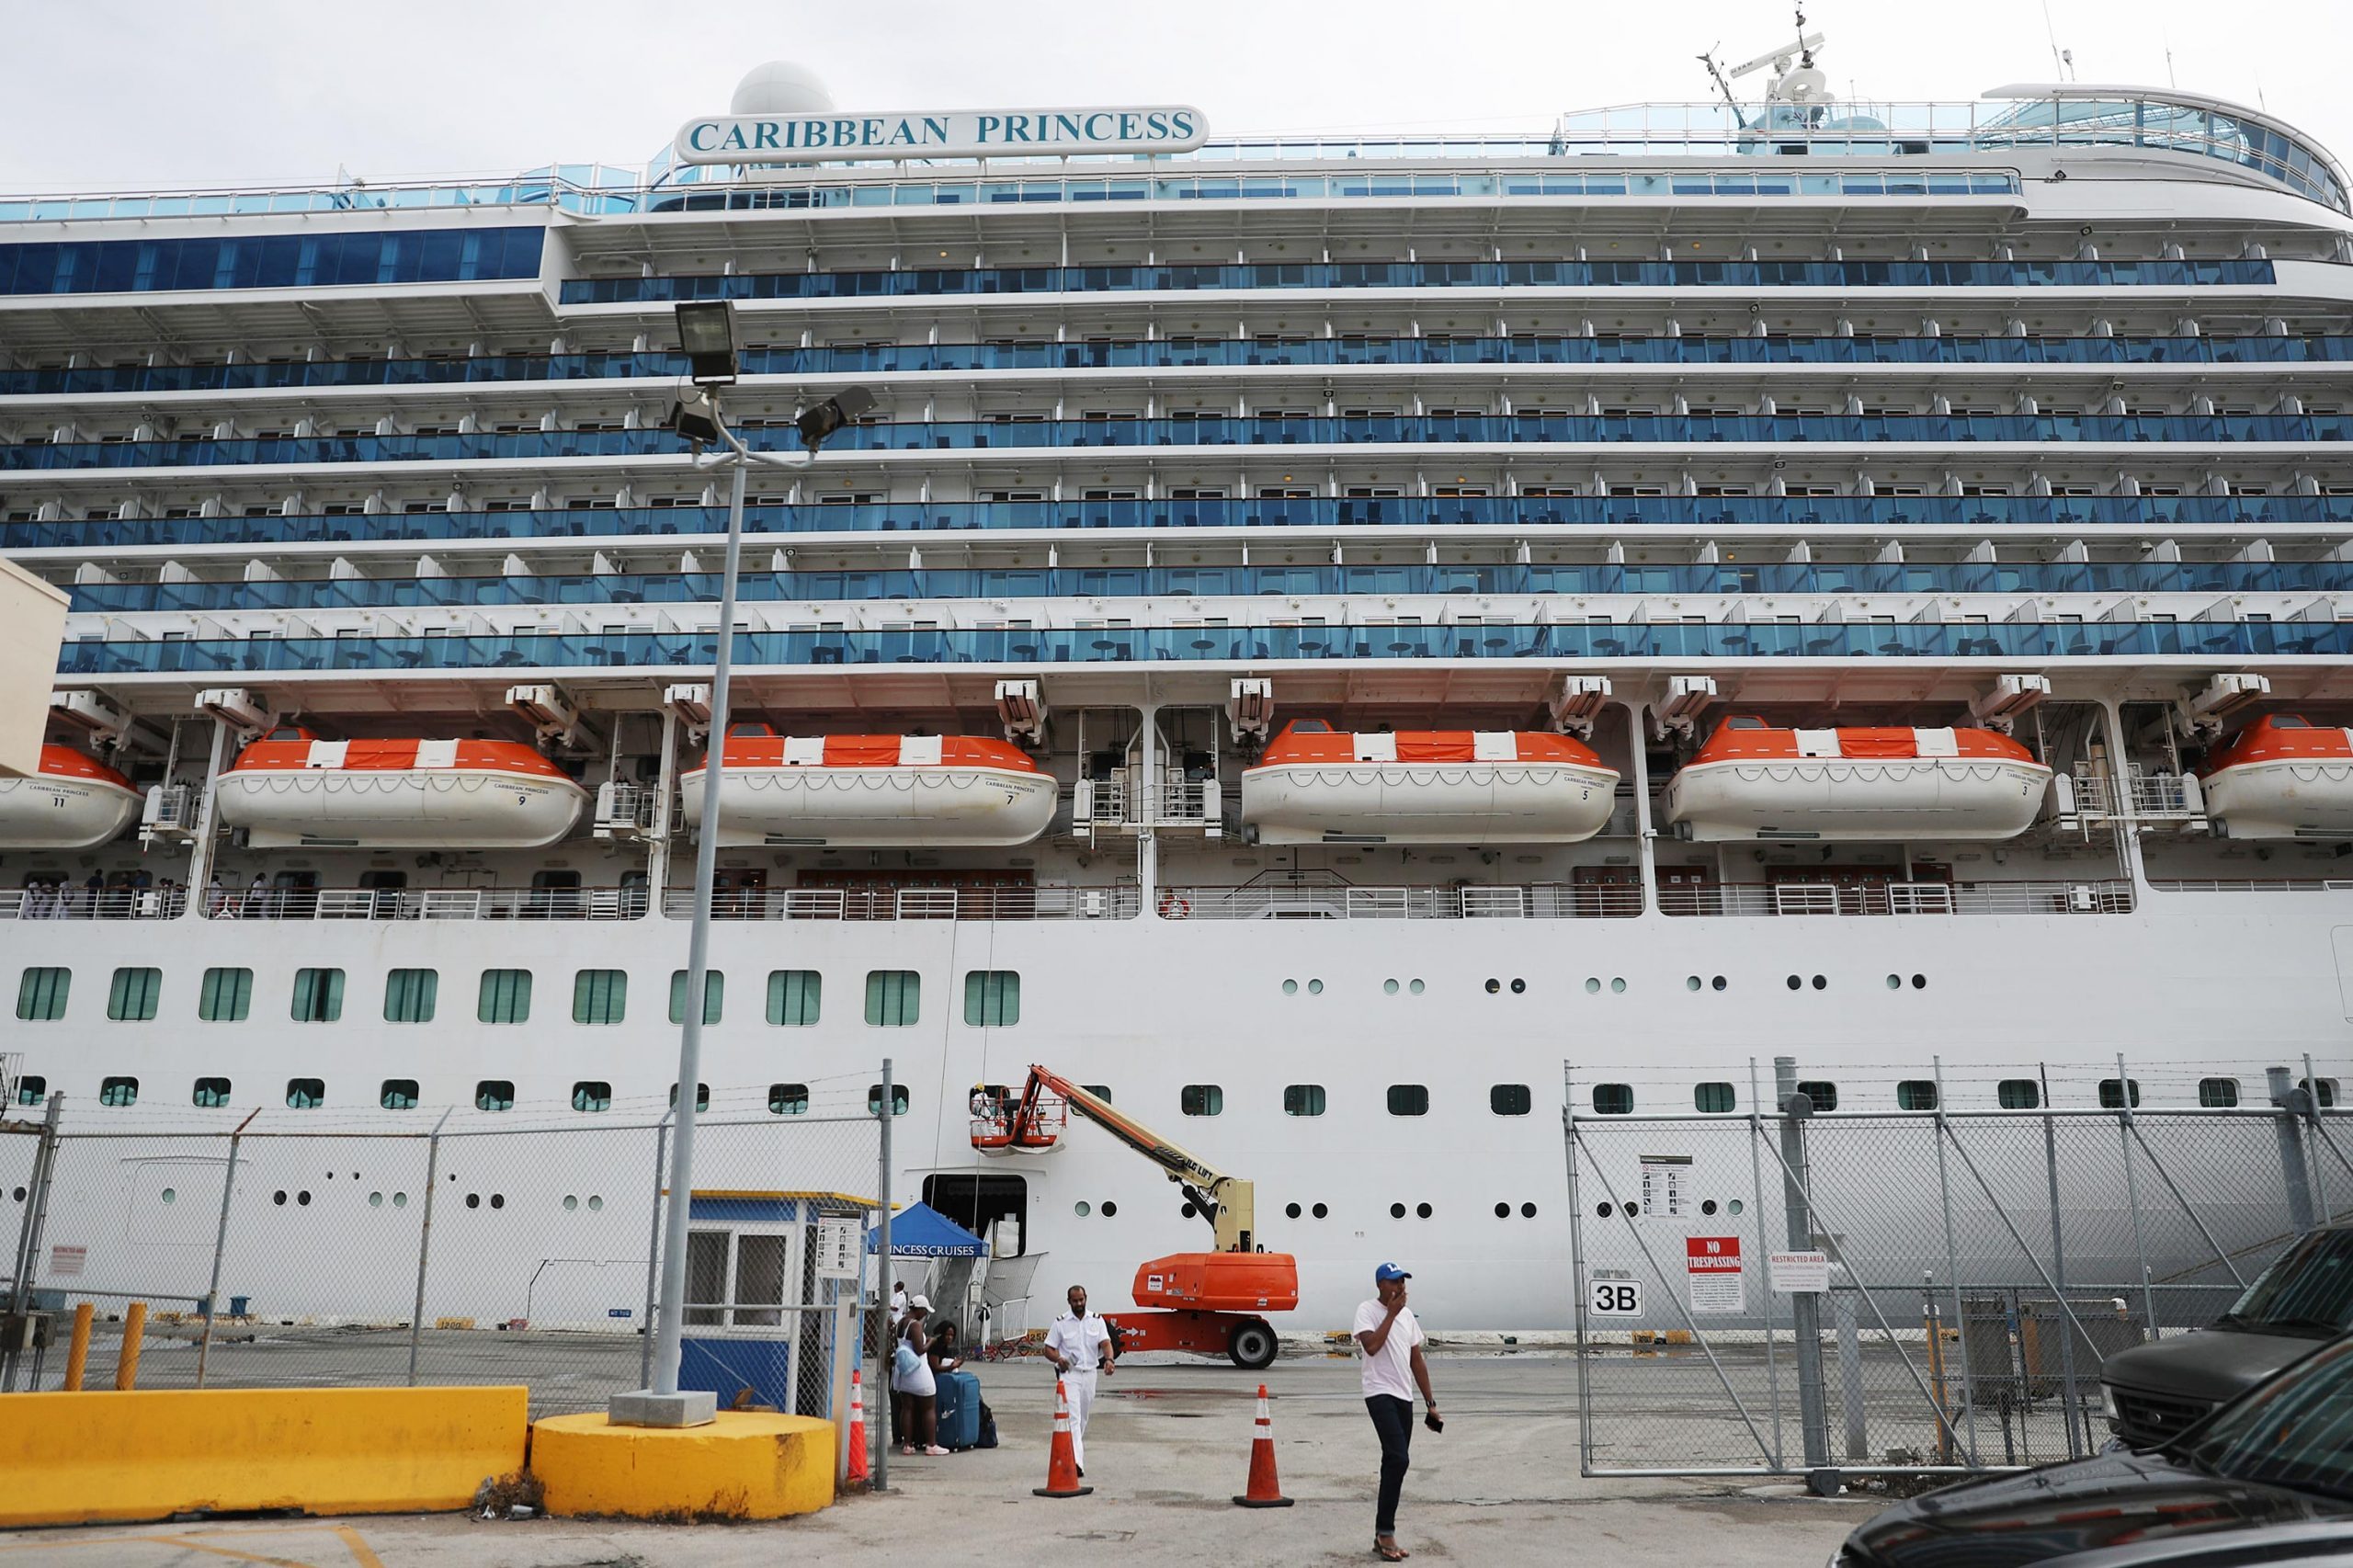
(292, 789)
(1315, 784)
(73, 802)
(874, 791)
(2281, 777)
(1750, 781)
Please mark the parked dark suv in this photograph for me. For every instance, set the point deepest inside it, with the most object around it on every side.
(2154, 1393)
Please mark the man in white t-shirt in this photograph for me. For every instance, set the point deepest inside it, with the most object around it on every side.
(1078, 1343)
(1390, 1338)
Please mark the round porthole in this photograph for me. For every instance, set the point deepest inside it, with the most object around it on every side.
(1389, 988)
(1735, 1206)
(1503, 1211)
(375, 1200)
(1896, 982)
(1707, 1206)
(1592, 984)
(570, 1201)
(171, 1195)
(278, 1197)
(1517, 986)
(1290, 987)
(595, 1204)
(1414, 987)
(1717, 983)
(303, 1198)
(1396, 1210)
(498, 1201)
(1797, 983)
(1423, 1209)
(1082, 1208)
(474, 1200)
(1690, 983)
(1618, 985)
(1601, 1211)
(1315, 988)
(1291, 1211)
(1494, 986)
(1919, 983)
(1633, 1209)
(1319, 1210)
(1110, 1208)
(1528, 1211)
(1821, 982)
(400, 1200)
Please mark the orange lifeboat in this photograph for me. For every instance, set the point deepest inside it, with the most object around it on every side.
(1315, 784)
(874, 791)
(293, 789)
(2281, 777)
(73, 802)
(1752, 780)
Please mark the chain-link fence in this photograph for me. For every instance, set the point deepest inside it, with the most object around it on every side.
(1785, 1289)
(335, 1253)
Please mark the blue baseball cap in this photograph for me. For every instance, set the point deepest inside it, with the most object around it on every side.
(1389, 1271)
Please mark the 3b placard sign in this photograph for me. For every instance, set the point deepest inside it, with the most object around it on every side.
(1616, 1298)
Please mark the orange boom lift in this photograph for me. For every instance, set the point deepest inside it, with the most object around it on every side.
(1207, 1302)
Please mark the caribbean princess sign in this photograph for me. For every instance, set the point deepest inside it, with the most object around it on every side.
(974, 133)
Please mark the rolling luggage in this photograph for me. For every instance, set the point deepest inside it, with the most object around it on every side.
(959, 1410)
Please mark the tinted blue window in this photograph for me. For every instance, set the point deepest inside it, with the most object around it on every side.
(433, 256)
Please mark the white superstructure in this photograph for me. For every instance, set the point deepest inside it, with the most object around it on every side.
(2029, 416)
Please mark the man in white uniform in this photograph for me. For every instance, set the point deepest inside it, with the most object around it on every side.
(1390, 1338)
(1078, 1343)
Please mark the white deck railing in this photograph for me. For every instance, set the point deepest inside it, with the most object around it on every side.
(1898, 898)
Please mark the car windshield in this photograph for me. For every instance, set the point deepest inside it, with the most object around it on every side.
(2296, 1431)
(2308, 1290)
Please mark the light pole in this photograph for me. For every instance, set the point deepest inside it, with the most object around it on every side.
(707, 335)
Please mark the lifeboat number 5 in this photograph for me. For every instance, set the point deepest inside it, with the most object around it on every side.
(1176, 907)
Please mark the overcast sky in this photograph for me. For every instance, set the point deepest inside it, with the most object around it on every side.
(111, 94)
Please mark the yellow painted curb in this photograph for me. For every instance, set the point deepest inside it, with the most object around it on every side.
(746, 1465)
(110, 1457)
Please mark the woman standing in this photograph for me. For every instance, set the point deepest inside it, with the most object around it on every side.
(913, 1385)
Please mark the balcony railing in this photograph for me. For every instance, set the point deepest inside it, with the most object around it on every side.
(1048, 903)
(1898, 898)
(88, 903)
(1544, 901)
(426, 903)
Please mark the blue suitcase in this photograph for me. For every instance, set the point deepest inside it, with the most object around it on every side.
(959, 1410)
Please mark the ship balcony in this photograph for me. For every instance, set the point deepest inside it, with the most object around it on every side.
(426, 904)
(89, 904)
(1544, 901)
(1049, 901)
(1754, 899)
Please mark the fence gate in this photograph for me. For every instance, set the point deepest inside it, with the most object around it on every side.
(1793, 1291)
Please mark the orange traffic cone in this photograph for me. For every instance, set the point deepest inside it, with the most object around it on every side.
(1062, 1462)
(859, 1469)
(1263, 1491)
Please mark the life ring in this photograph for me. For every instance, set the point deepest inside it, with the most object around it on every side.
(1175, 907)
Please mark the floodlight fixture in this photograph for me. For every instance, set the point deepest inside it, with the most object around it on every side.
(707, 338)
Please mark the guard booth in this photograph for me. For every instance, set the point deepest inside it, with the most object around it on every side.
(772, 1288)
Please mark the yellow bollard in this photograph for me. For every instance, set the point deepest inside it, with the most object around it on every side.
(134, 1323)
(78, 1357)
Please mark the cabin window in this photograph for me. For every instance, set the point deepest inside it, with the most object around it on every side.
(118, 1091)
(702, 1096)
(893, 997)
(1200, 1099)
(495, 1093)
(1510, 1099)
(226, 996)
(211, 1094)
(40, 996)
(397, 1093)
(1716, 1099)
(592, 1096)
(410, 996)
(599, 995)
(714, 995)
(2114, 1095)
(1613, 1099)
(318, 996)
(2218, 1094)
(506, 996)
(1409, 1099)
(305, 1094)
(793, 996)
(788, 1099)
(1302, 1099)
(992, 997)
(132, 996)
(1916, 1093)
(1820, 1091)
(874, 1099)
(2019, 1094)
(32, 1089)
(2324, 1090)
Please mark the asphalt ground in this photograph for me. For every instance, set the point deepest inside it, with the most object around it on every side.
(1168, 1447)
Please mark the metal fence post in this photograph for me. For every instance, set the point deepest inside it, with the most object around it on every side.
(2133, 1195)
(1805, 1310)
(1850, 1380)
(652, 1254)
(1576, 1266)
(2059, 1265)
(881, 1465)
(2312, 1113)
(1952, 1262)
(425, 1244)
(1765, 1244)
(220, 1245)
(2295, 1175)
(36, 1218)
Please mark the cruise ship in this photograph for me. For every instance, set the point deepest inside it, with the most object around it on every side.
(1311, 636)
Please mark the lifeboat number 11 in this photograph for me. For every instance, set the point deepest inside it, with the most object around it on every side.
(1617, 1298)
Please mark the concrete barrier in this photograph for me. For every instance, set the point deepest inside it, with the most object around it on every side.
(105, 1456)
(746, 1465)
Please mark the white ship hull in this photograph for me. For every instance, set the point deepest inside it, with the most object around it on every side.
(1468, 803)
(1834, 800)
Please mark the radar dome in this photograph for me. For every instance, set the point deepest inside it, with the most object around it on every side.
(781, 87)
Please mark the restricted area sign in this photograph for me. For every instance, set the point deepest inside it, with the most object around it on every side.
(1798, 1273)
(1616, 1298)
(840, 1252)
(1712, 1264)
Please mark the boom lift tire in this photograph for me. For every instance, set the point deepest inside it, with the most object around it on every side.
(1252, 1344)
